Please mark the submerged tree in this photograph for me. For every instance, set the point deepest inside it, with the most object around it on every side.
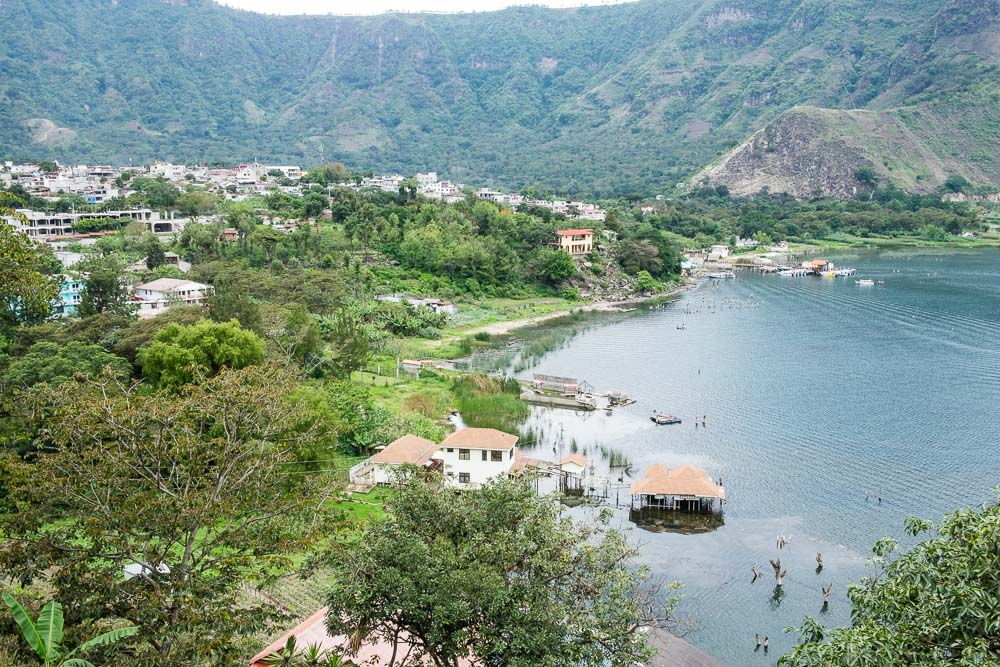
(170, 508)
(938, 604)
(497, 573)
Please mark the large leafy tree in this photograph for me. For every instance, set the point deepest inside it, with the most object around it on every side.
(182, 354)
(26, 292)
(170, 507)
(936, 605)
(497, 573)
(553, 266)
(106, 289)
(54, 363)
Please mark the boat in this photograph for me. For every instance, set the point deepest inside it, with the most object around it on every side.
(864, 282)
(721, 276)
(662, 419)
(682, 326)
(844, 272)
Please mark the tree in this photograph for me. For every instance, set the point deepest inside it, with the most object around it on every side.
(26, 293)
(181, 355)
(106, 289)
(55, 363)
(933, 606)
(639, 255)
(350, 346)
(646, 283)
(187, 491)
(956, 183)
(45, 635)
(230, 301)
(866, 175)
(155, 257)
(553, 266)
(496, 573)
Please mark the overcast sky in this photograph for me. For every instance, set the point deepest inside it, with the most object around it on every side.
(380, 6)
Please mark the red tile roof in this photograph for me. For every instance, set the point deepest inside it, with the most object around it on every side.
(575, 232)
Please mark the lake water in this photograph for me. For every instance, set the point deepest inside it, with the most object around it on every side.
(819, 397)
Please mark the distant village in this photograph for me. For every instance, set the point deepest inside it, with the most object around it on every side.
(102, 187)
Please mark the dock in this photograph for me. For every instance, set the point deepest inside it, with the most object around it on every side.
(570, 402)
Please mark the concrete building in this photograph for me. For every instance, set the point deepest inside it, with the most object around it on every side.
(42, 225)
(160, 295)
(473, 456)
(577, 242)
(70, 294)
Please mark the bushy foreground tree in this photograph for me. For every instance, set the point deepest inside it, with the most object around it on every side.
(937, 605)
(165, 510)
(26, 292)
(497, 573)
(181, 354)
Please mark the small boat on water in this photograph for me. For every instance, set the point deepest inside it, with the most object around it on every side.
(864, 282)
(722, 276)
(663, 419)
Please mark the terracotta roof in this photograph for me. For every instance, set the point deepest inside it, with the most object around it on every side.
(480, 438)
(574, 232)
(372, 652)
(578, 459)
(408, 449)
(682, 481)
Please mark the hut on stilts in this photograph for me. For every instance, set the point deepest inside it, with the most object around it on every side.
(686, 489)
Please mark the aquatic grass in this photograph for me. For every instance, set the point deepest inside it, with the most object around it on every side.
(488, 402)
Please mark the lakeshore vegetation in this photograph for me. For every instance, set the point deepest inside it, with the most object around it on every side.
(204, 451)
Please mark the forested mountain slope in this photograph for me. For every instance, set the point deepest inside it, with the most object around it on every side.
(603, 100)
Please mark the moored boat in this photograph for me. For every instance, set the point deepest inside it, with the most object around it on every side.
(664, 419)
(864, 282)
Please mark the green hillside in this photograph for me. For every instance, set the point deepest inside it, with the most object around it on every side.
(602, 100)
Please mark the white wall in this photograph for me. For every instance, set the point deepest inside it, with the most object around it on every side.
(479, 471)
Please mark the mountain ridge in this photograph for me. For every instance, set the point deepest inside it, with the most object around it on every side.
(602, 100)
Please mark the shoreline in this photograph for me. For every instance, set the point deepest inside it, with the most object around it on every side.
(507, 327)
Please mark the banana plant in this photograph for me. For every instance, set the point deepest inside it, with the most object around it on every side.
(45, 635)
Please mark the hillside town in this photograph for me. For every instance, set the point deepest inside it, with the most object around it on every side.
(104, 184)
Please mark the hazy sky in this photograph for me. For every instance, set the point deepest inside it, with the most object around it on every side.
(380, 6)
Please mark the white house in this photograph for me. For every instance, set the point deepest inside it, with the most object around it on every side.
(159, 295)
(468, 458)
(718, 251)
(473, 456)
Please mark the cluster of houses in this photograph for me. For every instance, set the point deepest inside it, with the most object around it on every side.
(97, 183)
(430, 186)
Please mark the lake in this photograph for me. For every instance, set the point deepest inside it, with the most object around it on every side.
(820, 397)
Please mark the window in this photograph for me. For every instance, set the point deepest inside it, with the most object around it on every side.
(449, 450)
(463, 478)
(496, 456)
(463, 455)
(484, 454)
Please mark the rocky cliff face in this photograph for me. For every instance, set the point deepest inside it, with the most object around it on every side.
(793, 155)
(808, 151)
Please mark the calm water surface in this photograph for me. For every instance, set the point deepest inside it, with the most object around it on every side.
(817, 394)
